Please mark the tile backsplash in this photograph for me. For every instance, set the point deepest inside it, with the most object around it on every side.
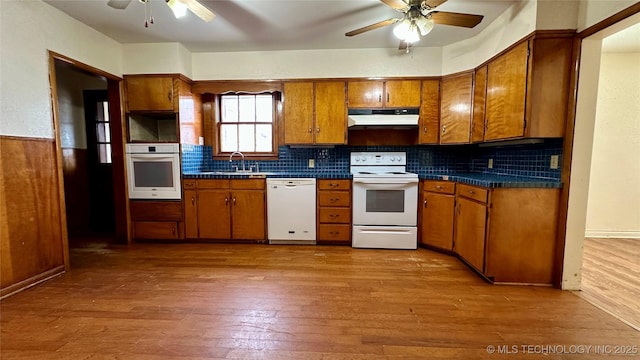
(531, 160)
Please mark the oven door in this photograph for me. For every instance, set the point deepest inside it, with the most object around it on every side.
(154, 176)
(385, 201)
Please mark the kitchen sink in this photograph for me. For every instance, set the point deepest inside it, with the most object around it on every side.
(237, 173)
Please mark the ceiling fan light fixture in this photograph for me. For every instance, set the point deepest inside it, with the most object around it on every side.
(413, 35)
(179, 9)
(425, 25)
(402, 29)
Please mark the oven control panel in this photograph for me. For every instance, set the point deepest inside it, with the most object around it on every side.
(379, 158)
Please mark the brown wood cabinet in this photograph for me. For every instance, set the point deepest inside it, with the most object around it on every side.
(388, 94)
(429, 122)
(334, 211)
(507, 234)
(528, 88)
(315, 113)
(157, 220)
(150, 93)
(478, 111)
(437, 214)
(455, 108)
(222, 209)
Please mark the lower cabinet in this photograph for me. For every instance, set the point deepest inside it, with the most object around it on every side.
(224, 209)
(507, 234)
(156, 220)
(334, 211)
(437, 214)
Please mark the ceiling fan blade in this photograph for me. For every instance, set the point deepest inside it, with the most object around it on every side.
(119, 4)
(455, 19)
(432, 4)
(200, 10)
(372, 27)
(396, 4)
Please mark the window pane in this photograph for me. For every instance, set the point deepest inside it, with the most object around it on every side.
(264, 108)
(230, 108)
(107, 132)
(105, 111)
(247, 107)
(247, 138)
(264, 139)
(228, 138)
(104, 153)
(101, 133)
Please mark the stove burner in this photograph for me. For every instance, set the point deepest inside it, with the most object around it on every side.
(397, 172)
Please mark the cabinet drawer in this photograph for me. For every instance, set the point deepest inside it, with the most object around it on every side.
(337, 233)
(472, 192)
(248, 184)
(155, 230)
(189, 184)
(334, 198)
(445, 187)
(213, 184)
(156, 210)
(325, 184)
(334, 215)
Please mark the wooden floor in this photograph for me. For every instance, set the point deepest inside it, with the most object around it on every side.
(217, 301)
(611, 277)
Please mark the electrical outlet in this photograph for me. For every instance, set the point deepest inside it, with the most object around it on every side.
(554, 161)
(312, 163)
(490, 164)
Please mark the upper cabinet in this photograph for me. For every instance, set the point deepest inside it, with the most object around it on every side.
(479, 98)
(150, 93)
(315, 113)
(455, 108)
(429, 122)
(528, 88)
(384, 94)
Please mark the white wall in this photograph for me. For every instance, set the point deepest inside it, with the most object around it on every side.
(594, 11)
(27, 30)
(70, 85)
(157, 58)
(614, 187)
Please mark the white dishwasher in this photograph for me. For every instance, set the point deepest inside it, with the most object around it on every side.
(291, 210)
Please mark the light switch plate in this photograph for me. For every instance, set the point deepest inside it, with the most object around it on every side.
(554, 161)
(312, 163)
(490, 164)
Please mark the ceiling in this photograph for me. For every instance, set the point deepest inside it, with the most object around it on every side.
(263, 25)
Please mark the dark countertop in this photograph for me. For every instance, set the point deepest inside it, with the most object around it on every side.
(478, 179)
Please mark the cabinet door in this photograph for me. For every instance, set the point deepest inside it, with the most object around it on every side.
(455, 109)
(365, 94)
(506, 93)
(248, 214)
(470, 232)
(191, 214)
(157, 230)
(479, 92)
(402, 93)
(214, 214)
(298, 113)
(437, 220)
(429, 112)
(150, 93)
(330, 113)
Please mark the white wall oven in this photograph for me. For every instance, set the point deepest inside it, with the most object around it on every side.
(153, 171)
(385, 201)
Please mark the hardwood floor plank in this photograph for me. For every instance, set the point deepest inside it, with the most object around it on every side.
(220, 301)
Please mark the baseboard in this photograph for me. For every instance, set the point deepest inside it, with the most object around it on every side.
(30, 282)
(612, 234)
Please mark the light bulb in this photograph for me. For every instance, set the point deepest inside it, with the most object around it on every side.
(179, 9)
(412, 34)
(425, 25)
(401, 30)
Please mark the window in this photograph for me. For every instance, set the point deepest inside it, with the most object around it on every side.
(103, 133)
(246, 124)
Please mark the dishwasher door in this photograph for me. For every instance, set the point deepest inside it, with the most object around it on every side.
(291, 211)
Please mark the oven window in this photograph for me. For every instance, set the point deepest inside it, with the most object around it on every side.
(153, 174)
(387, 201)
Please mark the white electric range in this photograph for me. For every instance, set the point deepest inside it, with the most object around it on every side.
(385, 201)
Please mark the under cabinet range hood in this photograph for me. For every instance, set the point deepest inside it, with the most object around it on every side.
(383, 118)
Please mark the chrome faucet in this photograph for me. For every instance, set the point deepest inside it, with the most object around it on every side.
(238, 153)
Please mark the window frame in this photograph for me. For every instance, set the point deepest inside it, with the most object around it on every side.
(276, 105)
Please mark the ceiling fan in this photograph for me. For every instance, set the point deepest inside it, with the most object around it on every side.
(179, 8)
(418, 20)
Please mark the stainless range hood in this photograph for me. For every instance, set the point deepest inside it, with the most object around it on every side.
(383, 118)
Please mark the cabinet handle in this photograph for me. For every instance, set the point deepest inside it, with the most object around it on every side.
(333, 233)
(471, 192)
(334, 199)
(380, 97)
(173, 230)
(439, 187)
(234, 200)
(317, 130)
(226, 200)
(425, 203)
(193, 200)
(310, 130)
(169, 97)
(425, 130)
(387, 97)
(444, 129)
(334, 215)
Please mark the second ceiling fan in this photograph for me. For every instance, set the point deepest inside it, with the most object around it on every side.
(179, 7)
(419, 19)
